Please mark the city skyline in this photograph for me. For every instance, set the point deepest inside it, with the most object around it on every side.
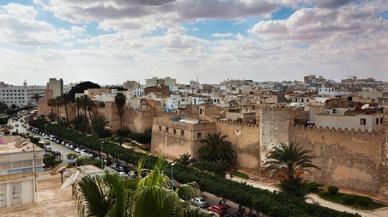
(113, 41)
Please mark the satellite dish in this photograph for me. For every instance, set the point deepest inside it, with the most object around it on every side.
(365, 106)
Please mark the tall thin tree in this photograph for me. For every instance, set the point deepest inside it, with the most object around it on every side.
(120, 100)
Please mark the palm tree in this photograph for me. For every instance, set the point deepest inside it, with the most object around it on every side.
(102, 196)
(289, 162)
(90, 107)
(51, 103)
(120, 100)
(58, 103)
(217, 148)
(78, 104)
(112, 195)
(66, 101)
(185, 159)
(98, 122)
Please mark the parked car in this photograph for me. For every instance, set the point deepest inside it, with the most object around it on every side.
(122, 174)
(47, 148)
(200, 202)
(218, 209)
(132, 174)
(114, 166)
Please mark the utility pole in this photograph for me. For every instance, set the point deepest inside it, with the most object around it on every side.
(34, 172)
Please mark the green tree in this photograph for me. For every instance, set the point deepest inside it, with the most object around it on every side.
(66, 100)
(98, 124)
(120, 100)
(112, 195)
(217, 148)
(58, 103)
(78, 104)
(90, 106)
(3, 108)
(289, 162)
(185, 159)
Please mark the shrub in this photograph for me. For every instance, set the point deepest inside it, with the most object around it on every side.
(332, 190)
(240, 174)
(312, 187)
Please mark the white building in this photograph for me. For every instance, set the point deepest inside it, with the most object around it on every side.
(20, 95)
(17, 171)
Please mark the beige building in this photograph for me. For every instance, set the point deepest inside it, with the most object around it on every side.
(56, 85)
(17, 171)
(174, 138)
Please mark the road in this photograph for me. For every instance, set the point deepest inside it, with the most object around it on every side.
(18, 127)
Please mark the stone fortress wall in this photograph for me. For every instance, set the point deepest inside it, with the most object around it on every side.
(347, 158)
(245, 139)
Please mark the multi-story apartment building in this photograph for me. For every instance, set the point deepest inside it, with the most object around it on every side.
(19, 162)
(56, 85)
(20, 95)
(167, 81)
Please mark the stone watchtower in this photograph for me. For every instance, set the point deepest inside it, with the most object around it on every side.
(275, 125)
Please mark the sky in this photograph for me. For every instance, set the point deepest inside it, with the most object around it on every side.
(111, 41)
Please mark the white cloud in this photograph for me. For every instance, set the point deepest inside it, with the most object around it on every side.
(222, 35)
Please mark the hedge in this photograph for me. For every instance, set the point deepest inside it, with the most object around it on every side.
(269, 203)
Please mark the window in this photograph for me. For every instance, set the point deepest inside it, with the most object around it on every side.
(362, 121)
(160, 128)
(381, 120)
(182, 132)
(377, 121)
(166, 129)
(199, 135)
(174, 131)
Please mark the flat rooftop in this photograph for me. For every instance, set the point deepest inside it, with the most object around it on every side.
(15, 144)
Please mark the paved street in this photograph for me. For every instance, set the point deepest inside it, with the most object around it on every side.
(55, 147)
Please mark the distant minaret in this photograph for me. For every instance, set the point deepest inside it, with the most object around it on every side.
(25, 83)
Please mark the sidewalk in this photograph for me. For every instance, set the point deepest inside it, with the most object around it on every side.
(313, 198)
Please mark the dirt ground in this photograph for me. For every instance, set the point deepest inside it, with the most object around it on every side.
(52, 201)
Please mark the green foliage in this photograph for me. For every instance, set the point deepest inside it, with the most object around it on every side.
(4, 120)
(51, 161)
(332, 190)
(289, 162)
(3, 107)
(120, 100)
(356, 201)
(123, 132)
(98, 125)
(81, 87)
(81, 123)
(89, 161)
(218, 167)
(71, 156)
(52, 116)
(185, 159)
(312, 187)
(269, 203)
(217, 148)
(240, 174)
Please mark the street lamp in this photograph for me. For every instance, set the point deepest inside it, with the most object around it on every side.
(102, 159)
(172, 170)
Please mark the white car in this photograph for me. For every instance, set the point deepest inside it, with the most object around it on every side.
(85, 154)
